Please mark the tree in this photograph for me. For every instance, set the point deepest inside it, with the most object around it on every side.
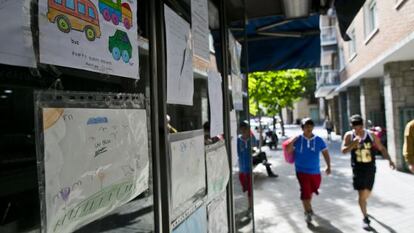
(272, 91)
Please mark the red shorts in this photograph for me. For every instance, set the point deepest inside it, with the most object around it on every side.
(309, 183)
(246, 182)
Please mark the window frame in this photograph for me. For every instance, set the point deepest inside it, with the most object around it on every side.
(370, 18)
(352, 48)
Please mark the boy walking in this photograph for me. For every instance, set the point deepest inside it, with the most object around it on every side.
(244, 151)
(359, 142)
(307, 148)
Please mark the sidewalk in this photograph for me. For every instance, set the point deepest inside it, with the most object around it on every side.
(277, 207)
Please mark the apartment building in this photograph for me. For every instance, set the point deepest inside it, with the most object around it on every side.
(375, 70)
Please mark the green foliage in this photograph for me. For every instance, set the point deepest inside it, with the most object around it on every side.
(274, 90)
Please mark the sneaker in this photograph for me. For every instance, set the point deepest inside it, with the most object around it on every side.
(365, 223)
(308, 217)
(273, 175)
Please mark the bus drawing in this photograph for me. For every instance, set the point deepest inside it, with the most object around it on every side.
(115, 11)
(119, 46)
(80, 15)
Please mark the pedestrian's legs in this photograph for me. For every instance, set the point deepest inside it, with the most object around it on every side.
(363, 195)
(307, 205)
(269, 171)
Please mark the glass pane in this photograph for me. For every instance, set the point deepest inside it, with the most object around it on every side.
(19, 203)
(245, 137)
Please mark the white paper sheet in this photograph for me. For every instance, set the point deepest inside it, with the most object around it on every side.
(235, 54)
(218, 171)
(200, 28)
(233, 132)
(217, 215)
(97, 35)
(16, 46)
(237, 94)
(95, 160)
(215, 96)
(180, 81)
(188, 173)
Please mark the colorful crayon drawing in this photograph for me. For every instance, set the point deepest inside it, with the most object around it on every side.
(80, 15)
(115, 11)
(120, 46)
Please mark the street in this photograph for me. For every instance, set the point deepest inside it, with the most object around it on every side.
(277, 207)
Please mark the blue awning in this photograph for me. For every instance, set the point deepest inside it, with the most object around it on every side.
(277, 44)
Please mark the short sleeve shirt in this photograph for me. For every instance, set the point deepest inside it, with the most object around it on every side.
(244, 154)
(307, 154)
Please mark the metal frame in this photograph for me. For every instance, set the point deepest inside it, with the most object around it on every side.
(224, 37)
(159, 125)
(160, 150)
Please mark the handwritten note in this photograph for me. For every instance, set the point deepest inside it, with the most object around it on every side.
(95, 160)
(215, 96)
(95, 35)
(180, 82)
(218, 171)
(217, 215)
(235, 54)
(188, 173)
(200, 29)
(236, 90)
(16, 47)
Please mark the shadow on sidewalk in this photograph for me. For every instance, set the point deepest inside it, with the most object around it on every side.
(388, 228)
(321, 225)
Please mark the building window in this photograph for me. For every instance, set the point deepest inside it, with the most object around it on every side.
(352, 44)
(58, 2)
(370, 17)
(341, 59)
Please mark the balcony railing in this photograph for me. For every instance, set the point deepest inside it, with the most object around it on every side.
(327, 78)
(328, 35)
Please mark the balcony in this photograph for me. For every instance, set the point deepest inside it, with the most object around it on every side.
(328, 36)
(326, 81)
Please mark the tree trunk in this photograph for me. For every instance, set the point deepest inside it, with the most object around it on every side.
(260, 131)
(282, 123)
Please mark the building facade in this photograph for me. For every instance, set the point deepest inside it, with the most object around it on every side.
(376, 71)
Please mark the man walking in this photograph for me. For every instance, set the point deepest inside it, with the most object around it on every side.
(359, 142)
(329, 128)
(306, 149)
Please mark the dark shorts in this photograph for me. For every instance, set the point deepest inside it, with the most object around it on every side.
(246, 182)
(309, 183)
(363, 179)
